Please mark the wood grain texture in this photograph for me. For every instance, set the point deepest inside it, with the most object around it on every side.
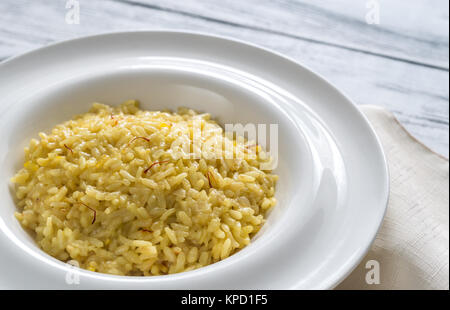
(401, 64)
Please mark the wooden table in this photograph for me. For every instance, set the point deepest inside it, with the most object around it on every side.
(402, 63)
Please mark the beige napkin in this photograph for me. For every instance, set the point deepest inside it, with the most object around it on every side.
(412, 246)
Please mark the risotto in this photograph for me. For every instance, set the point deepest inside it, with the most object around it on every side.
(115, 192)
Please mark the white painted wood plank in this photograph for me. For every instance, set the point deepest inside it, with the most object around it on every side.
(414, 30)
(417, 94)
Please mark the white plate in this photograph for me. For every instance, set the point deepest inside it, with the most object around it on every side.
(333, 186)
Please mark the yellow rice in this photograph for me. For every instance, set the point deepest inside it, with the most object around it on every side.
(85, 195)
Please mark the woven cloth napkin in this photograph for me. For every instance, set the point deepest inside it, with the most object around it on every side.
(411, 249)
